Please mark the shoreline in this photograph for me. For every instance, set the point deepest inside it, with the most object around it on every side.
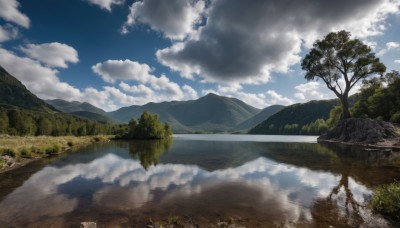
(38, 147)
(393, 145)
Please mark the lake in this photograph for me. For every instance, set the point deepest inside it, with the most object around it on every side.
(254, 181)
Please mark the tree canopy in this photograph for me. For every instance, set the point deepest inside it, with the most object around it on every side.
(148, 126)
(341, 62)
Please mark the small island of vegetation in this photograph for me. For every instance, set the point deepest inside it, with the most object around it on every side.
(148, 126)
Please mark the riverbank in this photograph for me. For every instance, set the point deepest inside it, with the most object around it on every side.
(17, 151)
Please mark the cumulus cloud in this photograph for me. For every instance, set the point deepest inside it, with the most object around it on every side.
(388, 47)
(9, 11)
(310, 91)
(397, 61)
(258, 100)
(41, 80)
(106, 4)
(8, 32)
(246, 46)
(52, 54)
(174, 18)
(113, 70)
(158, 89)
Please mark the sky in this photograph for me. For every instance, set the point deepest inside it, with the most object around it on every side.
(117, 53)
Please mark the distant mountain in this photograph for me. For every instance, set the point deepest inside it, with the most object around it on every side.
(14, 94)
(300, 114)
(211, 113)
(260, 117)
(82, 109)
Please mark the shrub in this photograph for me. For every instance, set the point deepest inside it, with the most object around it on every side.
(386, 200)
(9, 152)
(25, 153)
(97, 139)
(2, 163)
(70, 143)
(54, 149)
(395, 118)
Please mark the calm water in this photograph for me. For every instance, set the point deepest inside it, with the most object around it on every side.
(256, 181)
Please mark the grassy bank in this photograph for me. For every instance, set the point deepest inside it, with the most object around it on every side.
(16, 151)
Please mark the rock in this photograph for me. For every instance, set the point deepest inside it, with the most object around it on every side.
(361, 131)
(88, 225)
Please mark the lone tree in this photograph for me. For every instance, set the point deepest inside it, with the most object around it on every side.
(337, 57)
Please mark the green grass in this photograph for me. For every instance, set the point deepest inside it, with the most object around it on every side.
(8, 152)
(386, 200)
(39, 146)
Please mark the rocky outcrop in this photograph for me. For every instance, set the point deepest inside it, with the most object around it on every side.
(361, 131)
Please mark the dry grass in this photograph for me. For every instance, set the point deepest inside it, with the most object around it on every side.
(31, 146)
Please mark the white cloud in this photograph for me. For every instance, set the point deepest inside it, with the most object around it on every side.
(9, 12)
(42, 81)
(106, 4)
(174, 18)
(309, 91)
(52, 54)
(8, 32)
(389, 46)
(160, 88)
(258, 100)
(247, 46)
(397, 61)
(276, 98)
(113, 70)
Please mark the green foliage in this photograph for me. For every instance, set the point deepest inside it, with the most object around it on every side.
(25, 153)
(334, 116)
(148, 126)
(54, 149)
(315, 128)
(378, 100)
(338, 57)
(386, 200)
(8, 152)
(23, 122)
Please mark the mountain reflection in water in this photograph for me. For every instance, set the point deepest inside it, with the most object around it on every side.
(260, 183)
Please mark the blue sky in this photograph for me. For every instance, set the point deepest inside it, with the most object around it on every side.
(115, 53)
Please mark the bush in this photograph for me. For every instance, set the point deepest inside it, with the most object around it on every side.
(96, 139)
(386, 200)
(25, 153)
(395, 118)
(9, 152)
(54, 149)
(70, 143)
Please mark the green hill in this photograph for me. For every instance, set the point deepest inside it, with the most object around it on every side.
(297, 114)
(14, 94)
(211, 113)
(260, 117)
(22, 113)
(82, 109)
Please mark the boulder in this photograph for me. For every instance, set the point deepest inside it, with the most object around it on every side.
(361, 131)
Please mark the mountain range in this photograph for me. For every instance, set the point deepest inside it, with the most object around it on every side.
(209, 114)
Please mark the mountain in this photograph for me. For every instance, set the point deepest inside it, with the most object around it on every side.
(82, 109)
(300, 114)
(14, 94)
(260, 117)
(211, 113)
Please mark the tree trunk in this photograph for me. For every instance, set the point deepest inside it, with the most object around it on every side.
(345, 108)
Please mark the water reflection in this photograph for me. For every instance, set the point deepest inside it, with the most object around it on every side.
(148, 152)
(285, 183)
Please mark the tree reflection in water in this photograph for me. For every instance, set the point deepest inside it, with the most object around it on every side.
(341, 206)
(148, 152)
